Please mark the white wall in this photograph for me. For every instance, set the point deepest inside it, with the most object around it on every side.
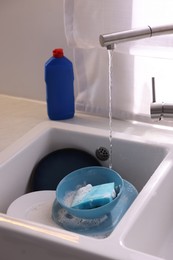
(29, 31)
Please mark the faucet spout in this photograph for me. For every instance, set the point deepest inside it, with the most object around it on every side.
(108, 40)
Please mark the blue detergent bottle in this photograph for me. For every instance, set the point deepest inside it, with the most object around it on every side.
(59, 78)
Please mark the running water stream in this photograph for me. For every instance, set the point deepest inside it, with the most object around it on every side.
(110, 55)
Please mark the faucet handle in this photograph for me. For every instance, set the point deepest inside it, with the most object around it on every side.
(153, 90)
(156, 109)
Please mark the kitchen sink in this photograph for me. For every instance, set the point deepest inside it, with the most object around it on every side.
(138, 160)
(135, 160)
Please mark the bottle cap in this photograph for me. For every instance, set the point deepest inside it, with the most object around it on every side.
(58, 53)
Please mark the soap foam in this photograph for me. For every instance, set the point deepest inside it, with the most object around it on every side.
(69, 196)
(67, 220)
(71, 223)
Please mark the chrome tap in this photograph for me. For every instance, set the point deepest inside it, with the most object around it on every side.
(108, 40)
(158, 110)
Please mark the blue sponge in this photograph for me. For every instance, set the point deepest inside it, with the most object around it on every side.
(89, 196)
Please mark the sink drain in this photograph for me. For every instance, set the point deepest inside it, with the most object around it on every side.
(102, 154)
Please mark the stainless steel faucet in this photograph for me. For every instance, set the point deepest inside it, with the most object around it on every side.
(110, 39)
(157, 110)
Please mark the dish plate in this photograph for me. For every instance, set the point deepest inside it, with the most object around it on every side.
(34, 206)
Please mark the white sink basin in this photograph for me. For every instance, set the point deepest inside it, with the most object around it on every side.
(140, 161)
(152, 229)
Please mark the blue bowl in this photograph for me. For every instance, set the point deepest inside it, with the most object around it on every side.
(95, 175)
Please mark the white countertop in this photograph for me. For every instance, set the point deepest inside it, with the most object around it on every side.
(18, 116)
